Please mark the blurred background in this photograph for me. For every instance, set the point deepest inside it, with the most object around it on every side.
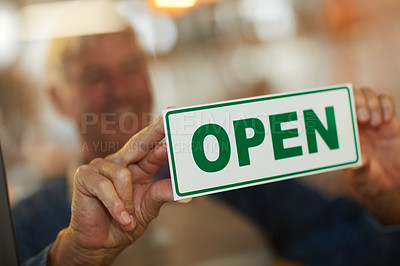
(199, 51)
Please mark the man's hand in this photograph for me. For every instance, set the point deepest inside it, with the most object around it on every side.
(377, 183)
(113, 201)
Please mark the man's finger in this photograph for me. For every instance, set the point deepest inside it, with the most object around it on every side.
(140, 144)
(387, 105)
(159, 193)
(120, 177)
(96, 185)
(363, 114)
(373, 106)
(150, 164)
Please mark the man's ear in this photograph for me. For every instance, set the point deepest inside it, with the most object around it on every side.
(59, 101)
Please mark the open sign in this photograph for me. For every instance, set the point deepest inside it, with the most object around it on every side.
(234, 144)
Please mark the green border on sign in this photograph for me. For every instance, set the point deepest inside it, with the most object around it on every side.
(236, 102)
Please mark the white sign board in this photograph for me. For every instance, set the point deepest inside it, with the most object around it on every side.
(234, 144)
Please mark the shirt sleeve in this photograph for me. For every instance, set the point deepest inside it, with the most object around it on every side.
(39, 218)
(40, 259)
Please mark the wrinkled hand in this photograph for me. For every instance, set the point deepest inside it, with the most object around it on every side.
(377, 182)
(114, 200)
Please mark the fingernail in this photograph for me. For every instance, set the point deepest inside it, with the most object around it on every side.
(184, 201)
(125, 217)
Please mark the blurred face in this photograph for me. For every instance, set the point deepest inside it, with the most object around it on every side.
(110, 91)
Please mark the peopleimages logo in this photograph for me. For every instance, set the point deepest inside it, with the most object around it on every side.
(114, 122)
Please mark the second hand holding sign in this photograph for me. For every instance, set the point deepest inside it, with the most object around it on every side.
(229, 145)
